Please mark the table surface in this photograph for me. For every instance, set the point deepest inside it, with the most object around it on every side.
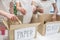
(39, 37)
(50, 37)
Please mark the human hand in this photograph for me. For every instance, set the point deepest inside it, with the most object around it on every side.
(12, 17)
(22, 10)
(34, 9)
(40, 10)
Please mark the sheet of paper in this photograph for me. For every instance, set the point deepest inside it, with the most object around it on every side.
(52, 28)
(25, 33)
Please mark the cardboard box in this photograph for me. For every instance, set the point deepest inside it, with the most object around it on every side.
(22, 31)
(34, 18)
(43, 18)
(58, 19)
(46, 23)
(20, 18)
(49, 28)
(25, 19)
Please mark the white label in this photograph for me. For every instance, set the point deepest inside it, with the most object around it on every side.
(25, 33)
(52, 28)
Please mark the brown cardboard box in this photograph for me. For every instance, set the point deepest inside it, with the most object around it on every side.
(58, 19)
(49, 28)
(44, 19)
(41, 18)
(20, 18)
(34, 18)
(22, 31)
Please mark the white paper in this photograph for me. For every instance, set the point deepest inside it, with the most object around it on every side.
(52, 28)
(25, 33)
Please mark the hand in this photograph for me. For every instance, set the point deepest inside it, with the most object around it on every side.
(54, 18)
(40, 10)
(34, 9)
(22, 10)
(12, 17)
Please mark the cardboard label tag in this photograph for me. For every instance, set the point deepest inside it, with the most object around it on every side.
(52, 28)
(25, 33)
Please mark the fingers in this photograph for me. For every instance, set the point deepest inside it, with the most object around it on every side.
(23, 12)
(13, 18)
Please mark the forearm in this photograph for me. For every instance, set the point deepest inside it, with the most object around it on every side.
(55, 11)
(55, 8)
(11, 8)
(19, 8)
(3, 13)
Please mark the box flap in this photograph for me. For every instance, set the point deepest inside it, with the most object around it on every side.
(13, 27)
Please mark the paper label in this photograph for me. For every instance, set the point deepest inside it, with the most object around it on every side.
(52, 28)
(25, 33)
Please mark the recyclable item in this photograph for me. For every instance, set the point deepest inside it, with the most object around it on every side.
(49, 28)
(22, 31)
(34, 18)
(43, 18)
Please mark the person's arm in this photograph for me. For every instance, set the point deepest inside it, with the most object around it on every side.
(40, 10)
(34, 7)
(55, 8)
(11, 8)
(55, 11)
(3, 13)
(19, 8)
(8, 15)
